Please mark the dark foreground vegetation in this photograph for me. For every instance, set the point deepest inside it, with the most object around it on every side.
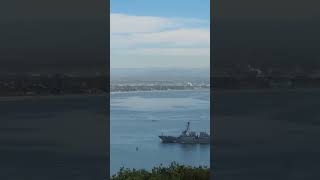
(172, 172)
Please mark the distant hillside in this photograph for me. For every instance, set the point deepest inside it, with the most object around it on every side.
(156, 74)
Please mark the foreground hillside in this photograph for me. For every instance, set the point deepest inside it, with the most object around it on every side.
(172, 172)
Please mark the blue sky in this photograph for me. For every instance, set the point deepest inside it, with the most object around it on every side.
(165, 8)
(160, 33)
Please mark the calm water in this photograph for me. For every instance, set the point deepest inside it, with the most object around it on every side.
(267, 134)
(137, 118)
(53, 138)
(259, 134)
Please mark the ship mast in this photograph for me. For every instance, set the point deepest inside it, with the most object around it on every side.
(187, 129)
(188, 125)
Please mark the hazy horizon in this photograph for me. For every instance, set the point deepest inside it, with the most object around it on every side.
(154, 74)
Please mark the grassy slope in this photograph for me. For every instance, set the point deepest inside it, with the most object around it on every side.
(172, 172)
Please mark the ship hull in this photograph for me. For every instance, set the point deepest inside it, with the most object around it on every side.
(168, 139)
(184, 140)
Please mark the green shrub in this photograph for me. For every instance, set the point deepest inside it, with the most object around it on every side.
(173, 172)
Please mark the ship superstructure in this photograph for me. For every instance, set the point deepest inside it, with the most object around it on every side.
(187, 137)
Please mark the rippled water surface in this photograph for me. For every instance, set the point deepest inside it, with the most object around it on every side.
(137, 118)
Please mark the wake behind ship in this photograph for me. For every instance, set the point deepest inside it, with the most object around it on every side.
(187, 137)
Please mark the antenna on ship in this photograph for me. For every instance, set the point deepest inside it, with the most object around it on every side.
(188, 126)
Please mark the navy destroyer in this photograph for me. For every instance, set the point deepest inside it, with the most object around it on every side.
(187, 137)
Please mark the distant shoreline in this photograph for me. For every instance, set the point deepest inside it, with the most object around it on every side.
(120, 92)
(265, 90)
(219, 90)
(49, 96)
(102, 94)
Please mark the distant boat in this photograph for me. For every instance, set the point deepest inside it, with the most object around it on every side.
(187, 137)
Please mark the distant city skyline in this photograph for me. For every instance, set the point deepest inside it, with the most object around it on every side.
(160, 34)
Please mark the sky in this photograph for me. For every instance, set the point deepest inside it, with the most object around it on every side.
(160, 34)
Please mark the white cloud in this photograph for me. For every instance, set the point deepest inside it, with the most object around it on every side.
(171, 51)
(123, 23)
(150, 35)
(177, 37)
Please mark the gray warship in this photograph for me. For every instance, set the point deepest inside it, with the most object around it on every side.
(187, 137)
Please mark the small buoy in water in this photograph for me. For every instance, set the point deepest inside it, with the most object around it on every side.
(137, 148)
